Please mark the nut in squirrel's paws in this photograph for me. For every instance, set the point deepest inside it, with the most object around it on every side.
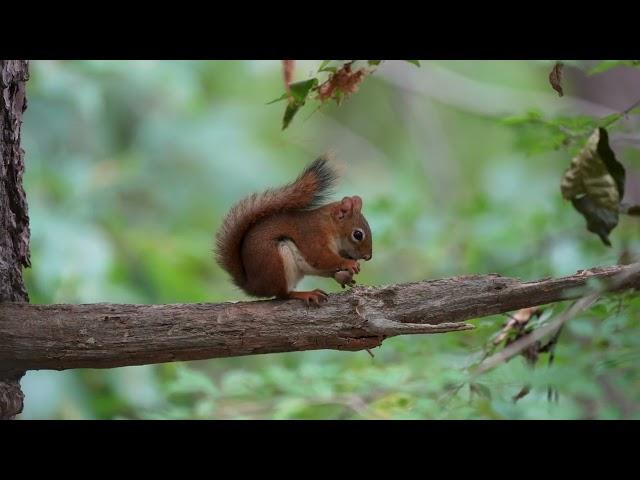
(344, 277)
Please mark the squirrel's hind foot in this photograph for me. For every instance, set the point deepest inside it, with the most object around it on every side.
(316, 297)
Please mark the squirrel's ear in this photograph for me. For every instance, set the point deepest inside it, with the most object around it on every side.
(357, 203)
(344, 209)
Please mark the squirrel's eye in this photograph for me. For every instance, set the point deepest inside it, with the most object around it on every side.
(358, 235)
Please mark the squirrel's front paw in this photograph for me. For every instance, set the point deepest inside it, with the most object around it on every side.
(351, 266)
(344, 277)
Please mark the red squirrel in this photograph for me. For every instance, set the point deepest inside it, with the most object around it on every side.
(268, 242)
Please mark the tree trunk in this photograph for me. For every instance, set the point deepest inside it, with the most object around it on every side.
(14, 219)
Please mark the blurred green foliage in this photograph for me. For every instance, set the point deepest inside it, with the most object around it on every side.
(130, 167)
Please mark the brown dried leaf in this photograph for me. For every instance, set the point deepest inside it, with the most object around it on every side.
(519, 320)
(600, 221)
(555, 78)
(342, 83)
(524, 314)
(628, 209)
(594, 182)
(595, 172)
(524, 391)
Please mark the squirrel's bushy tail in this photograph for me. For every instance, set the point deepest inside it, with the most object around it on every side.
(309, 190)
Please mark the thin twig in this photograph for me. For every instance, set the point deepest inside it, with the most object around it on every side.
(577, 307)
(523, 343)
(622, 114)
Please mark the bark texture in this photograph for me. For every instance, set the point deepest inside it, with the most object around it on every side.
(112, 335)
(14, 218)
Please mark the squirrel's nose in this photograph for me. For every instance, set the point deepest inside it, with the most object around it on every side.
(367, 257)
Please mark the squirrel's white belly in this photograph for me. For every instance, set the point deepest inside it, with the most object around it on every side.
(295, 266)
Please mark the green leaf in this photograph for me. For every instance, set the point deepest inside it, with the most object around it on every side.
(574, 123)
(532, 116)
(191, 381)
(614, 117)
(609, 119)
(480, 389)
(300, 90)
(279, 99)
(323, 65)
(289, 113)
(299, 93)
(594, 183)
(414, 62)
(374, 62)
(393, 403)
(609, 64)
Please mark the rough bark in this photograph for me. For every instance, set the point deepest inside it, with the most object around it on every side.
(14, 219)
(111, 335)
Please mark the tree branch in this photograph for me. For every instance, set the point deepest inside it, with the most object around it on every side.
(110, 335)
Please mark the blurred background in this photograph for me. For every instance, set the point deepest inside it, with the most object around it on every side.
(131, 165)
